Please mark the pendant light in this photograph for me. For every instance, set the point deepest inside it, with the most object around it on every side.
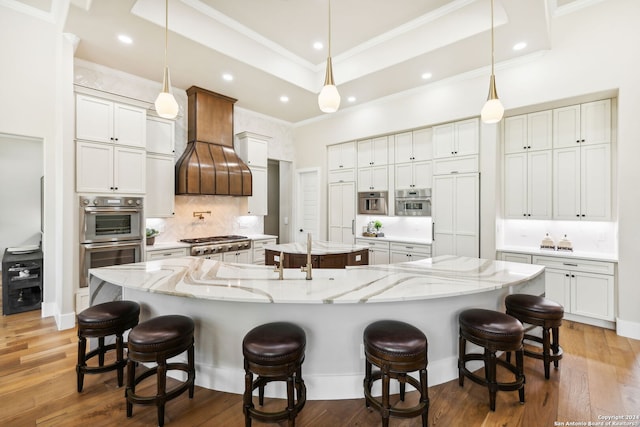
(329, 98)
(493, 110)
(166, 105)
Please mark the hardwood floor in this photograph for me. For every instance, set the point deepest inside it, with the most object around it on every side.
(598, 376)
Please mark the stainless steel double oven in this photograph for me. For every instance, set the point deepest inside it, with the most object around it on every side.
(111, 232)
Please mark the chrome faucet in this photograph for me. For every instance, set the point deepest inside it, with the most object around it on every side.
(307, 267)
(279, 267)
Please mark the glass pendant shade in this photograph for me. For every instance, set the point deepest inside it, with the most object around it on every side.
(166, 104)
(329, 98)
(493, 110)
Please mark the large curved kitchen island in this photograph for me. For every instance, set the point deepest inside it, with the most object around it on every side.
(227, 300)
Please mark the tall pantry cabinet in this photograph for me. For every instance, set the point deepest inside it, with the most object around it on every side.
(342, 192)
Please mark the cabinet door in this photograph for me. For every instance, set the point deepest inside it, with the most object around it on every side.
(379, 151)
(540, 130)
(592, 295)
(334, 157)
(443, 212)
(515, 185)
(396, 257)
(467, 215)
(557, 287)
(130, 125)
(403, 147)
(566, 183)
(341, 212)
(257, 202)
(342, 156)
(255, 152)
(467, 137)
(423, 174)
(595, 123)
(595, 182)
(94, 167)
(160, 136)
(159, 200)
(380, 178)
(129, 166)
(566, 126)
(94, 119)
(422, 144)
(515, 134)
(404, 176)
(378, 256)
(241, 257)
(540, 184)
(365, 153)
(443, 141)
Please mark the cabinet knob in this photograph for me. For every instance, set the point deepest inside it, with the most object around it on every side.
(583, 215)
(577, 141)
(528, 214)
(578, 215)
(566, 275)
(528, 147)
(582, 140)
(573, 275)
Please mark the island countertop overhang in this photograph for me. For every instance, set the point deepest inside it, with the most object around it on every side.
(439, 277)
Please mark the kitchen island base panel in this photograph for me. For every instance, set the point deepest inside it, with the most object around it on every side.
(334, 364)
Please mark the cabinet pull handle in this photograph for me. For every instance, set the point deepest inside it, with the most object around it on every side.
(569, 264)
(433, 231)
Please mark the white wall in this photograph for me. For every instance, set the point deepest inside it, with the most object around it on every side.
(592, 51)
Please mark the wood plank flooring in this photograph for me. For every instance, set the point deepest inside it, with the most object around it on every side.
(598, 376)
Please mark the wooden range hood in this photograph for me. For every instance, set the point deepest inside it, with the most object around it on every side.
(209, 164)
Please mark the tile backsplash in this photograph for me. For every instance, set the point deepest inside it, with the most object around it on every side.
(224, 219)
(585, 236)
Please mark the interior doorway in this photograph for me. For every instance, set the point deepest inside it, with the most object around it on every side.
(272, 219)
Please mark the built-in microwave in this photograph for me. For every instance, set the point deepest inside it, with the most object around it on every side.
(372, 203)
(415, 202)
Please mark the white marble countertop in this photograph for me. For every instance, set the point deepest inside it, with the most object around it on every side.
(318, 247)
(594, 256)
(201, 278)
(160, 246)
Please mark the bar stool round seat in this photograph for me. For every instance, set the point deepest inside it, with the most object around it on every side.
(101, 321)
(494, 331)
(157, 340)
(274, 352)
(396, 348)
(544, 313)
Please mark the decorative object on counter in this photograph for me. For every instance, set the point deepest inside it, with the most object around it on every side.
(151, 236)
(378, 225)
(565, 244)
(548, 243)
(166, 105)
(329, 98)
(493, 110)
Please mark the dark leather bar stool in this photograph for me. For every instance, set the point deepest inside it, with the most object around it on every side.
(396, 348)
(274, 352)
(101, 321)
(494, 331)
(157, 340)
(545, 313)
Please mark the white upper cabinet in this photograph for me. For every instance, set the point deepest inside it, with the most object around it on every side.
(528, 132)
(159, 201)
(414, 146)
(528, 185)
(342, 156)
(373, 152)
(105, 168)
(588, 123)
(106, 121)
(374, 178)
(413, 175)
(252, 148)
(456, 139)
(161, 136)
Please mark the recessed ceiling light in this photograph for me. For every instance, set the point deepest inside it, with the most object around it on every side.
(284, 98)
(351, 99)
(228, 77)
(519, 46)
(125, 39)
(427, 76)
(318, 45)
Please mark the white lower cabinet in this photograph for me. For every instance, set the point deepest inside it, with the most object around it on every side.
(156, 254)
(240, 257)
(585, 288)
(258, 252)
(512, 257)
(404, 252)
(378, 251)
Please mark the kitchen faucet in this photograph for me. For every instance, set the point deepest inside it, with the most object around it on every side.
(307, 267)
(280, 267)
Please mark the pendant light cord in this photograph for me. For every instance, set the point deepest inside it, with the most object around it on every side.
(492, 48)
(166, 30)
(329, 28)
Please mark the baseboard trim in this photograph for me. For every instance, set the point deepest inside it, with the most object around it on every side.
(66, 320)
(628, 329)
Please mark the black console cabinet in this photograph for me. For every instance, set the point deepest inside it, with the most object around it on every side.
(21, 282)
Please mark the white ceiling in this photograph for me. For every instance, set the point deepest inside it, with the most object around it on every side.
(378, 47)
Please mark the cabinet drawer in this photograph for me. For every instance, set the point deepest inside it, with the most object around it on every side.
(413, 248)
(586, 266)
(373, 244)
(455, 165)
(514, 257)
(260, 244)
(347, 175)
(166, 253)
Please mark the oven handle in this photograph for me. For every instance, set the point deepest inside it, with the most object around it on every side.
(95, 211)
(122, 244)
